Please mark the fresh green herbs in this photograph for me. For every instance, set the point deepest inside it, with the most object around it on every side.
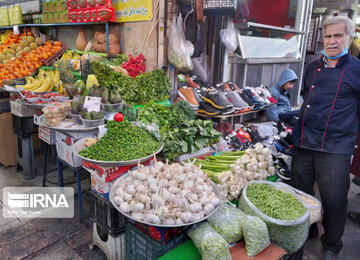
(122, 142)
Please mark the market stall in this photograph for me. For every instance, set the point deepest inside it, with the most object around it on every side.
(168, 174)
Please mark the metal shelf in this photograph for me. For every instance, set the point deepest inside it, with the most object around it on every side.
(64, 24)
(274, 28)
(238, 59)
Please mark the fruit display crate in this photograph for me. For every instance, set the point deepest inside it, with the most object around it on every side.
(23, 126)
(105, 215)
(56, 55)
(139, 246)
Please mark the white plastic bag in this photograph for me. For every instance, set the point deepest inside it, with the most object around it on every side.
(180, 50)
(288, 234)
(228, 37)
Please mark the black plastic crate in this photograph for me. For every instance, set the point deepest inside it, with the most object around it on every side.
(23, 126)
(105, 215)
(139, 246)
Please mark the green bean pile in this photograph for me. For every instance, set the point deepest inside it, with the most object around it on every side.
(274, 203)
(122, 142)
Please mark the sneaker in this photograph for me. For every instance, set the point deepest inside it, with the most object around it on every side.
(207, 109)
(191, 82)
(198, 80)
(217, 99)
(236, 100)
(246, 98)
(187, 94)
(272, 100)
(198, 94)
(281, 169)
(228, 111)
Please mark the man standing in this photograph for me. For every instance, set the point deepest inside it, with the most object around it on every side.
(325, 135)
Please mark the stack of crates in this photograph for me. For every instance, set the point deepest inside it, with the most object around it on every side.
(140, 246)
(109, 221)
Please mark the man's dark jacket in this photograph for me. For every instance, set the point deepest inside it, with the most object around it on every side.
(328, 117)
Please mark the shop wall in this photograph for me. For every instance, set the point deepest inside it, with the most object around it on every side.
(133, 34)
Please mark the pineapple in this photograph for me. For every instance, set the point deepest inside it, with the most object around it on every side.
(66, 76)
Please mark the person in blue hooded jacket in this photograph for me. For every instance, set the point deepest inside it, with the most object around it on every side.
(281, 92)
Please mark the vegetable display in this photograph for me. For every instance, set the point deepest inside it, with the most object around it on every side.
(231, 171)
(189, 137)
(274, 203)
(288, 234)
(227, 222)
(256, 235)
(122, 142)
(153, 85)
(166, 194)
(135, 66)
(211, 245)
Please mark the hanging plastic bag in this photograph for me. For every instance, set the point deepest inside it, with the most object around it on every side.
(210, 244)
(180, 50)
(226, 221)
(228, 37)
(288, 234)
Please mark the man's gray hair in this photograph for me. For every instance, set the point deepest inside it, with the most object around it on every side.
(349, 25)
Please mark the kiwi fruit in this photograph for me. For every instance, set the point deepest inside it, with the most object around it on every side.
(2, 57)
(5, 61)
(18, 49)
(24, 44)
(33, 45)
(38, 41)
(14, 46)
(9, 56)
(27, 49)
(30, 39)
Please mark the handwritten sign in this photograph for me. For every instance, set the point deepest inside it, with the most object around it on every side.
(92, 103)
(132, 10)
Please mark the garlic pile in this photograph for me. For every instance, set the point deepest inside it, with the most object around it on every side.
(167, 194)
(255, 164)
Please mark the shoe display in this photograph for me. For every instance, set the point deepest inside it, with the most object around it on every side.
(187, 94)
(228, 111)
(217, 99)
(236, 100)
(207, 109)
(191, 83)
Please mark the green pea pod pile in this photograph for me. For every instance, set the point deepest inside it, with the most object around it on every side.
(211, 245)
(287, 219)
(122, 142)
(256, 235)
(226, 221)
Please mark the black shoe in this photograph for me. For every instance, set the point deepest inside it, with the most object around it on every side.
(354, 216)
(328, 255)
(217, 100)
(228, 111)
(246, 98)
(356, 180)
(281, 169)
(207, 109)
(313, 231)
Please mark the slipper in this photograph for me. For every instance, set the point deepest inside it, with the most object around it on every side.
(354, 217)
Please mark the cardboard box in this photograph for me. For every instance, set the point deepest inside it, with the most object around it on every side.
(64, 146)
(159, 234)
(19, 109)
(61, 6)
(8, 141)
(99, 186)
(46, 135)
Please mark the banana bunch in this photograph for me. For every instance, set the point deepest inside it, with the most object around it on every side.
(70, 55)
(3, 37)
(45, 81)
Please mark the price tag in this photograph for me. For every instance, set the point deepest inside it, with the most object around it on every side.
(92, 103)
(42, 37)
(16, 29)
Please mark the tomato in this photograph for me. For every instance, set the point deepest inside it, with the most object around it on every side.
(118, 117)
